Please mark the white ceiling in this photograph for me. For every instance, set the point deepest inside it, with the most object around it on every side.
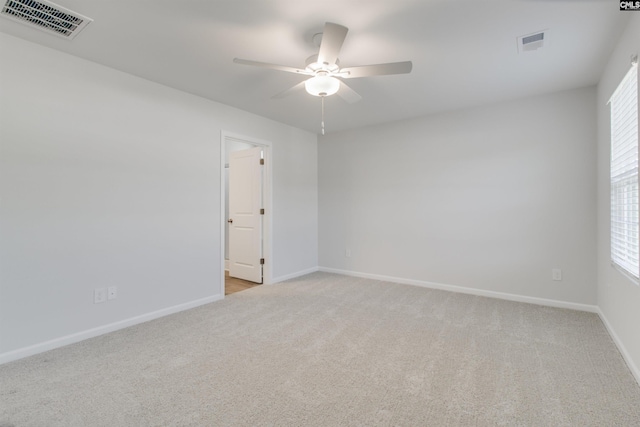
(464, 52)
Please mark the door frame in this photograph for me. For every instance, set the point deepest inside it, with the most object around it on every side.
(267, 198)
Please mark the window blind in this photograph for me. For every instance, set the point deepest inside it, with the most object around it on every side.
(624, 173)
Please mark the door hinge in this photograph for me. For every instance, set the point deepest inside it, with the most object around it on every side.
(261, 211)
(262, 161)
(261, 261)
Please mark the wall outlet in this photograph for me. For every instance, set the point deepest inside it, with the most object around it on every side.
(556, 274)
(99, 295)
(112, 292)
(347, 253)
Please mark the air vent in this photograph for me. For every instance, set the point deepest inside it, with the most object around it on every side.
(45, 16)
(534, 41)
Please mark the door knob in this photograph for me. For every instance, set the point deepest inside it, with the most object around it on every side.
(230, 221)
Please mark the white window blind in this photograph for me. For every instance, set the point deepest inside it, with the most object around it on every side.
(624, 173)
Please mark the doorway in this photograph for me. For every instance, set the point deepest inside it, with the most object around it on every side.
(246, 228)
(233, 285)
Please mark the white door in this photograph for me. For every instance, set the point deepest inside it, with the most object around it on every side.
(245, 220)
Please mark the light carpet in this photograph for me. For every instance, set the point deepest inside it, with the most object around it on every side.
(330, 350)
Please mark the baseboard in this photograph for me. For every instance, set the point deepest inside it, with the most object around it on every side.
(464, 290)
(294, 275)
(623, 350)
(101, 330)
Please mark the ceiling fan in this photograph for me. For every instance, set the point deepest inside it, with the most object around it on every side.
(324, 71)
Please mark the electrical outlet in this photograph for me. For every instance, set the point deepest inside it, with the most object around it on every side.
(347, 253)
(112, 292)
(556, 274)
(99, 295)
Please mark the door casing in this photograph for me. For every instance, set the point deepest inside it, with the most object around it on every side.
(267, 228)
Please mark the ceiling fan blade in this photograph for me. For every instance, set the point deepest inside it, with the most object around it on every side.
(332, 38)
(297, 88)
(376, 70)
(348, 94)
(272, 66)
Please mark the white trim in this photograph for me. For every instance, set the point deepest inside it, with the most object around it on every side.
(623, 350)
(511, 297)
(623, 271)
(101, 330)
(223, 192)
(294, 275)
(471, 291)
(626, 75)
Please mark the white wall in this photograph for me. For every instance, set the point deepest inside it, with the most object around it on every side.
(618, 297)
(295, 203)
(108, 179)
(490, 198)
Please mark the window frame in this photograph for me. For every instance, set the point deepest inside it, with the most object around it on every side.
(624, 177)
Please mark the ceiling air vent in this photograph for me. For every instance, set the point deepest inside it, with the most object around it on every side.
(533, 41)
(45, 16)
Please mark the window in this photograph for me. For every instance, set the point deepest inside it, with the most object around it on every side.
(624, 173)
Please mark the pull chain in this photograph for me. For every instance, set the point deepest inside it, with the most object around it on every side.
(322, 122)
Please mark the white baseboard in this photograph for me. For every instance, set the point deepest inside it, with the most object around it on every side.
(293, 275)
(226, 265)
(464, 290)
(623, 350)
(511, 297)
(100, 330)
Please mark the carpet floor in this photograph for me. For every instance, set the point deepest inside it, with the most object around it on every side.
(329, 350)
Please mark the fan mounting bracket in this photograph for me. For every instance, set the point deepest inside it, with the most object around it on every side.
(313, 66)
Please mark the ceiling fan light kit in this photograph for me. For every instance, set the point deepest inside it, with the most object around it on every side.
(324, 70)
(322, 85)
